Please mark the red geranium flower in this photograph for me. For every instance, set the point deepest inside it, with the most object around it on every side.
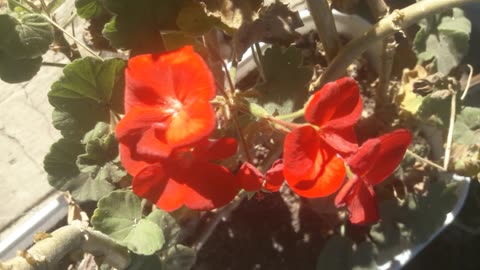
(251, 179)
(190, 177)
(167, 105)
(311, 165)
(374, 161)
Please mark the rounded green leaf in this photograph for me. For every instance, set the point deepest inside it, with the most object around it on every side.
(88, 9)
(86, 93)
(119, 215)
(179, 257)
(18, 70)
(27, 37)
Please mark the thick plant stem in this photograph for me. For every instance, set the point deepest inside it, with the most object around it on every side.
(47, 253)
(380, 10)
(398, 19)
(325, 24)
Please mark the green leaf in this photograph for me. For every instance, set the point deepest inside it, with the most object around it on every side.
(276, 24)
(119, 215)
(87, 184)
(140, 262)
(27, 37)
(101, 146)
(168, 225)
(193, 19)
(54, 4)
(179, 257)
(330, 258)
(60, 161)
(137, 24)
(466, 146)
(18, 70)
(86, 93)
(88, 9)
(364, 257)
(286, 80)
(443, 38)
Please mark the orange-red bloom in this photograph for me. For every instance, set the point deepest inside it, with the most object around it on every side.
(190, 177)
(251, 179)
(312, 166)
(374, 161)
(167, 105)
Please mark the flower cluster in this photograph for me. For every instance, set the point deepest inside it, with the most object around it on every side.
(165, 142)
(316, 155)
(164, 134)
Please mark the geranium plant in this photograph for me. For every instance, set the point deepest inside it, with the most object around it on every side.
(164, 135)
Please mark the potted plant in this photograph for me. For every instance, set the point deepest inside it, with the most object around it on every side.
(197, 140)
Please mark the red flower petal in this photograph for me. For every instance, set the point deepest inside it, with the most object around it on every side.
(131, 163)
(327, 182)
(203, 187)
(364, 159)
(337, 104)
(302, 156)
(212, 150)
(360, 200)
(191, 124)
(154, 184)
(249, 177)
(274, 177)
(393, 146)
(209, 186)
(162, 79)
(343, 141)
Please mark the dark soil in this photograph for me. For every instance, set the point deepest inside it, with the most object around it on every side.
(266, 233)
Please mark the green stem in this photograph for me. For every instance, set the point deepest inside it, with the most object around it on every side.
(291, 116)
(257, 57)
(327, 32)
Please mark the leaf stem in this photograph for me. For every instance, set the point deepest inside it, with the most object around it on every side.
(448, 147)
(469, 80)
(50, 64)
(292, 115)
(424, 160)
(257, 58)
(72, 37)
(398, 19)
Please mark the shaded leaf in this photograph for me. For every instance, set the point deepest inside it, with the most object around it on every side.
(443, 38)
(168, 225)
(193, 19)
(364, 257)
(285, 87)
(120, 216)
(232, 14)
(54, 4)
(86, 93)
(179, 257)
(275, 24)
(330, 257)
(137, 24)
(88, 9)
(466, 145)
(101, 146)
(18, 70)
(64, 174)
(140, 262)
(26, 37)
